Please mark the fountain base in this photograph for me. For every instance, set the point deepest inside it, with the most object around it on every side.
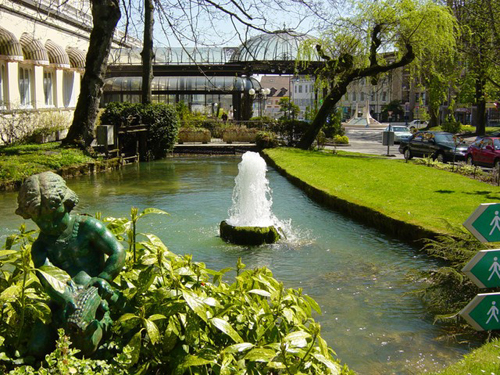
(248, 235)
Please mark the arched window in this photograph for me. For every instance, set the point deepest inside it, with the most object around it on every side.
(48, 88)
(25, 86)
(68, 81)
(2, 83)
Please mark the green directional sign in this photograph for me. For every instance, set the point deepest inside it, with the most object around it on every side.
(483, 312)
(484, 223)
(484, 269)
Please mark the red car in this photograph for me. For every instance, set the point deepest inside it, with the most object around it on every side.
(484, 151)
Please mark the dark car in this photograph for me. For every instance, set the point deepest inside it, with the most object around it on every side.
(441, 146)
(484, 151)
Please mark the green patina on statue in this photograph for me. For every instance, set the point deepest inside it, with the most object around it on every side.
(83, 254)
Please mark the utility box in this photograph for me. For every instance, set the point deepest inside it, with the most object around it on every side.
(388, 138)
(105, 135)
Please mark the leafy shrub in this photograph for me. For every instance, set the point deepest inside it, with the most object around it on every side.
(291, 130)
(194, 135)
(214, 126)
(262, 122)
(163, 126)
(451, 126)
(161, 119)
(266, 140)
(341, 139)
(176, 317)
(23, 126)
(334, 125)
(239, 134)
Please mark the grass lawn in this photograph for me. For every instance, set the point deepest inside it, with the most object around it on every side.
(416, 194)
(485, 360)
(19, 162)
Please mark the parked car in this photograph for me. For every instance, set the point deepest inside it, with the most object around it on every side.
(484, 151)
(401, 133)
(441, 146)
(417, 124)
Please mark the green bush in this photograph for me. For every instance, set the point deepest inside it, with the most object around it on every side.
(163, 125)
(176, 317)
(291, 130)
(341, 139)
(262, 122)
(334, 125)
(161, 119)
(214, 126)
(266, 139)
(451, 126)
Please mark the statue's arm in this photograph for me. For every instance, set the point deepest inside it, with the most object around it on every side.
(105, 241)
(39, 257)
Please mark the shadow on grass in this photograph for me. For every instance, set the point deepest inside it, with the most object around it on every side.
(486, 193)
(445, 191)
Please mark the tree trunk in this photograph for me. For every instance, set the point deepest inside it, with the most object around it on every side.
(324, 111)
(481, 106)
(147, 52)
(106, 14)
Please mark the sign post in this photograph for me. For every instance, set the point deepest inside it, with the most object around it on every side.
(484, 269)
(483, 312)
(484, 223)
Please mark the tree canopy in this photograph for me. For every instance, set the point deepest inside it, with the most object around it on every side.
(380, 36)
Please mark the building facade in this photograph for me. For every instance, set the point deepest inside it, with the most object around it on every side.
(43, 46)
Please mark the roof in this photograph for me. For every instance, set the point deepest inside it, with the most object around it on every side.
(10, 48)
(281, 45)
(57, 55)
(77, 57)
(33, 50)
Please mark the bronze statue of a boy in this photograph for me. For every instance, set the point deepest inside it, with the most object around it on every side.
(81, 246)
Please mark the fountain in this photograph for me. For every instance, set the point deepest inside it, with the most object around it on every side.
(251, 221)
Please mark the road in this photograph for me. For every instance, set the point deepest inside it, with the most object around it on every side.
(368, 141)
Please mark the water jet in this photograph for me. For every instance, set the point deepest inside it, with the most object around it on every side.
(251, 221)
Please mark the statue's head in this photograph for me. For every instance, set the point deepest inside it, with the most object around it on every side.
(43, 194)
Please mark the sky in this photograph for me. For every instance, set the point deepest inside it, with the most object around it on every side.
(203, 26)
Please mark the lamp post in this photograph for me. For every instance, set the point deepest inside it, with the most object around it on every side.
(251, 94)
(263, 94)
(389, 132)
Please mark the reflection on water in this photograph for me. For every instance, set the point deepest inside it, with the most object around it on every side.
(356, 274)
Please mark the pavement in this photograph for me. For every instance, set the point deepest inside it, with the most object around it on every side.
(368, 141)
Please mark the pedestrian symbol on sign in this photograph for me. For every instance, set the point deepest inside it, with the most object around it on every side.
(484, 223)
(492, 312)
(495, 267)
(495, 223)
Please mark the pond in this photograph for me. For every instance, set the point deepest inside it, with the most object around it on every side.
(356, 274)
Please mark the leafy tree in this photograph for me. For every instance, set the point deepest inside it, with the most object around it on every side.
(393, 106)
(479, 47)
(357, 47)
(180, 21)
(288, 109)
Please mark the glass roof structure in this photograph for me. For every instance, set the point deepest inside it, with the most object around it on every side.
(184, 84)
(175, 55)
(280, 45)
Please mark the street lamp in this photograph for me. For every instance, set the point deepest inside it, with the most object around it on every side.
(263, 93)
(389, 133)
